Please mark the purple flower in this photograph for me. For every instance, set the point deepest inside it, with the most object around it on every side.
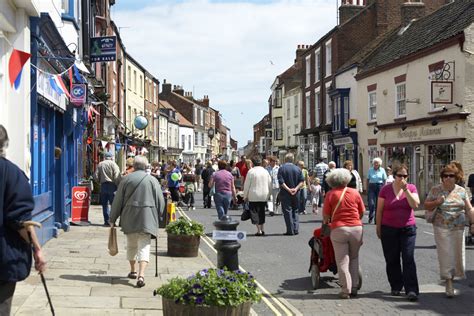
(199, 300)
(203, 272)
(186, 297)
(220, 272)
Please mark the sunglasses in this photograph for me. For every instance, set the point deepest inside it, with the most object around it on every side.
(402, 175)
(448, 176)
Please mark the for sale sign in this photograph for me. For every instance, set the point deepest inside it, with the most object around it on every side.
(103, 48)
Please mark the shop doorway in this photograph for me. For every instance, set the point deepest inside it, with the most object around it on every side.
(438, 156)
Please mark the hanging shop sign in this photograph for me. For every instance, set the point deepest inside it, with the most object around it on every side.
(441, 92)
(140, 122)
(78, 94)
(342, 141)
(103, 48)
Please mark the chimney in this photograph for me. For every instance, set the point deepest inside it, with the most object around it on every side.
(188, 95)
(205, 101)
(350, 8)
(300, 49)
(412, 11)
(166, 88)
(178, 90)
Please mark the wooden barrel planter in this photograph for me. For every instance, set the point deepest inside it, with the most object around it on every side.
(170, 308)
(183, 245)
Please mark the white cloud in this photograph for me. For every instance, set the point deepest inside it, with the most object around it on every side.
(224, 49)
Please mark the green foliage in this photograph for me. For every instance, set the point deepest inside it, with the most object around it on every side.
(185, 227)
(212, 287)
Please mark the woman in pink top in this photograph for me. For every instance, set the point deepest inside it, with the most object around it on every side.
(396, 227)
(225, 189)
(346, 228)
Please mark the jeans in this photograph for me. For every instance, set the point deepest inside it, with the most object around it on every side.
(206, 196)
(396, 241)
(7, 289)
(107, 193)
(289, 207)
(222, 201)
(303, 195)
(373, 194)
(189, 199)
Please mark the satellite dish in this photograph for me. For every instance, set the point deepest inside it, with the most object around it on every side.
(140, 122)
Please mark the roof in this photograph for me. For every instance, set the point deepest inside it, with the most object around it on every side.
(183, 121)
(445, 23)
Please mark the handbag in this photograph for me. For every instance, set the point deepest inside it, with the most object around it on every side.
(326, 228)
(430, 215)
(245, 214)
(113, 247)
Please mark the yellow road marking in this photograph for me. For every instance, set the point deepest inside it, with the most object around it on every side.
(287, 312)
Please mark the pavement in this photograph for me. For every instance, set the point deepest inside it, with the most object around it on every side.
(83, 279)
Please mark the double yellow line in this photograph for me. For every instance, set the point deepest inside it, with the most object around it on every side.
(267, 297)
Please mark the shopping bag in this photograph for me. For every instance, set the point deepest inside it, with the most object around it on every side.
(113, 247)
(245, 214)
(430, 215)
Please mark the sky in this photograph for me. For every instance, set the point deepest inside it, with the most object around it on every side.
(230, 50)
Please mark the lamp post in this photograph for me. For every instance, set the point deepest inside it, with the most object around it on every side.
(210, 134)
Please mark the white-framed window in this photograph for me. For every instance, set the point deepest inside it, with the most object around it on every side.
(202, 117)
(337, 114)
(328, 109)
(195, 116)
(372, 106)
(189, 142)
(328, 58)
(141, 86)
(346, 112)
(308, 110)
(400, 103)
(372, 153)
(196, 138)
(135, 81)
(288, 136)
(317, 107)
(296, 102)
(183, 141)
(278, 101)
(278, 128)
(297, 130)
(288, 108)
(308, 70)
(317, 65)
(203, 139)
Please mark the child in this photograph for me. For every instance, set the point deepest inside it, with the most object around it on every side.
(189, 179)
(315, 194)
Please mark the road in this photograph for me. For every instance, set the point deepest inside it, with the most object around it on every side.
(280, 263)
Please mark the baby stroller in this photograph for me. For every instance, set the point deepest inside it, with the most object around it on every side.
(322, 258)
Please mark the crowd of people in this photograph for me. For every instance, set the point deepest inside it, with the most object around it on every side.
(137, 198)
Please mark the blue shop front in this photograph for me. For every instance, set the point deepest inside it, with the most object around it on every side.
(56, 130)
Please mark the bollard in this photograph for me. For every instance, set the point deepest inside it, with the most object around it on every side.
(227, 250)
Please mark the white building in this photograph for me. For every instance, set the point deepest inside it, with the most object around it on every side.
(418, 91)
(186, 140)
(15, 105)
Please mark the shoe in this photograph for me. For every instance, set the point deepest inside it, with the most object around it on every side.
(344, 295)
(296, 233)
(449, 288)
(106, 225)
(288, 234)
(141, 281)
(354, 291)
(304, 213)
(258, 234)
(263, 233)
(132, 275)
(370, 221)
(271, 213)
(395, 293)
(412, 297)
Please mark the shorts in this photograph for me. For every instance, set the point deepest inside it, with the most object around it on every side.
(138, 247)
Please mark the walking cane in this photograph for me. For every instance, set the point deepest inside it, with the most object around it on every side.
(43, 280)
(156, 256)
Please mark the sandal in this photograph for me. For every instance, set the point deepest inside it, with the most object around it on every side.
(141, 281)
(132, 275)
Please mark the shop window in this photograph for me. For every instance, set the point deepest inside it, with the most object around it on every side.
(400, 99)
(439, 155)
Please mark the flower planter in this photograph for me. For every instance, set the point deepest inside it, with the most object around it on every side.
(183, 245)
(170, 308)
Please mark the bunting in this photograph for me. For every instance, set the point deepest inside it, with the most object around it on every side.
(17, 60)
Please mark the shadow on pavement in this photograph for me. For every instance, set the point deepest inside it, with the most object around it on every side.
(304, 284)
(101, 279)
(426, 247)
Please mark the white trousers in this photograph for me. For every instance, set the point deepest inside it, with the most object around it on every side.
(451, 252)
(138, 247)
(272, 204)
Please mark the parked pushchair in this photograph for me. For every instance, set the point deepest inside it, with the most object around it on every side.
(322, 258)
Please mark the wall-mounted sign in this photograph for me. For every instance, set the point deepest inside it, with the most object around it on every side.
(442, 92)
(103, 48)
(78, 94)
(352, 123)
